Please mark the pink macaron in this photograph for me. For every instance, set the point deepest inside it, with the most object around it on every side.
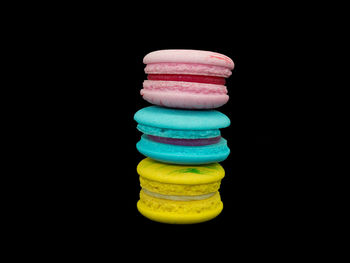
(187, 79)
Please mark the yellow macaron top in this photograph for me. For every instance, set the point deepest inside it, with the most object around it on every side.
(180, 174)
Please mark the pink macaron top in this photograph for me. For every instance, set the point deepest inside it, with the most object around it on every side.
(189, 56)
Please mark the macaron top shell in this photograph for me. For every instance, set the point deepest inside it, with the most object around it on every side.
(180, 174)
(169, 118)
(189, 56)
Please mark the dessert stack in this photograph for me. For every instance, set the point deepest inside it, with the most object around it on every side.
(181, 175)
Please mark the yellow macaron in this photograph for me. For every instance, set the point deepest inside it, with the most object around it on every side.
(179, 194)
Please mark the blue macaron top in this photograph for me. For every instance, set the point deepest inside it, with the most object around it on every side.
(177, 119)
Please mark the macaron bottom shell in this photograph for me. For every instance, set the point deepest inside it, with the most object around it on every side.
(181, 212)
(179, 154)
(184, 100)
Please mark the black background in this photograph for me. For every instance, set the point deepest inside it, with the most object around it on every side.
(82, 71)
(107, 71)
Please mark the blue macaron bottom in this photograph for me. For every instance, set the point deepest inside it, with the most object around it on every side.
(179, 154)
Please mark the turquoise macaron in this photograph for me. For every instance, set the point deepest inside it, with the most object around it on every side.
(182, 136)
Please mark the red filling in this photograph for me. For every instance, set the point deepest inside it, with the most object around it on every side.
(185, 142)
(188, 78)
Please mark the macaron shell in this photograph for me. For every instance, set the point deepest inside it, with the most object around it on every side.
(168, 118)
(184, 95)
(179, 212)
(178, 154)
(180, 174)
(184, 100)
(189, 56)
(169, 218)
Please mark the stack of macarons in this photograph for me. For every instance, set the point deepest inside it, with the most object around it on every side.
(181, 175)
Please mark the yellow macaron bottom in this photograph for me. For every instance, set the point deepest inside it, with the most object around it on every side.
(179, 212)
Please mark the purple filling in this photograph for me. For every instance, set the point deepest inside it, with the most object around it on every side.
(185, 142)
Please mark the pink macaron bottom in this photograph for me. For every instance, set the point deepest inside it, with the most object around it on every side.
(180, 100)
(185, 142)
(186, 95)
